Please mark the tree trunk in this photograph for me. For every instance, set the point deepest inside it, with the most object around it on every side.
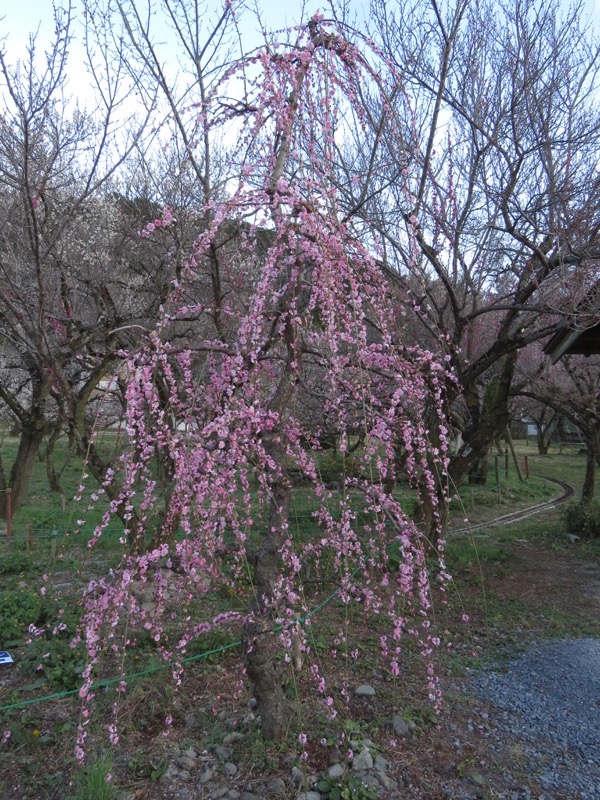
(20, 474)
(479, 471)
(260, 642)
(488, 419)
(543, 444)
(31, 437)
(2, 490)
(51, 473)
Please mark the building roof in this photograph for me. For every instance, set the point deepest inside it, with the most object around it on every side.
(574, 341)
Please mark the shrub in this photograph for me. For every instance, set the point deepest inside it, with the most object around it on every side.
(584, 520)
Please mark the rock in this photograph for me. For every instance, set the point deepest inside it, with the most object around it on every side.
(174, 773)
(399, 725)
(387, 782)
(253, 702)
(364, 760)
(299, 778)
(231, 738)
(381, 763)
(572, 538)
(277, 787)
(206, 776)
(365, 691)
(219, 792)
(190, 753)
(370, 780)
(187, 763)
(229, 769)
(233, 794)
(309, 796)
(222, 752)
(248, 796)
(336, 771)
(360, 744)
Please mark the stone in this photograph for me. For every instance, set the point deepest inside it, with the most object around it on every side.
(381, 763)
(365, 691)
(206, 776)
(229, 769)
(385, 781)
(277, 787)
(370, 780)
(190, 753)
(298, 777)
(360, 744)
(336, 771)
(231, 738)
(233, 794)
(222, 752)
(399, 725)
(572, 538)
(187, 763)
(248, 796)
(175, 773)
(364, 760)
(309, 796)
(219, 792)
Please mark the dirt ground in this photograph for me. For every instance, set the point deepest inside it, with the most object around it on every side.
(537, 593)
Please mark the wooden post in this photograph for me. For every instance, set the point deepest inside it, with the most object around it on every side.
(30, 537)
(9, 530)
(514, 454)
(526, 458)
(506, 463)
(497, 464)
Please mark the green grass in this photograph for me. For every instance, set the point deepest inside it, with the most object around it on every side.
(42, 510)
(94, 781)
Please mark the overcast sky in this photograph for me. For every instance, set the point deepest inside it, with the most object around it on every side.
(20, 18)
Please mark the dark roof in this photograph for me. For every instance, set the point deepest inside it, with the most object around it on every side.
(573, 341)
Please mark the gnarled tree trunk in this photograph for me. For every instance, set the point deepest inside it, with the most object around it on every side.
(261, 647)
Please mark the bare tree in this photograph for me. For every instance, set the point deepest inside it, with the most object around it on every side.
(499, 225)
(58, 240)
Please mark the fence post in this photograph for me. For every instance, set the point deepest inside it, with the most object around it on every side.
(526, 467)
(9, 530)
(496, 459)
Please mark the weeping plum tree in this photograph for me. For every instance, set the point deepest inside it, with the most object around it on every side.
(215, 397)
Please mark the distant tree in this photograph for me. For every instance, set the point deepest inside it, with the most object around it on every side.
(571, 389)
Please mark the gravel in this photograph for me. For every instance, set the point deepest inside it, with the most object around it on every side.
(549, 700)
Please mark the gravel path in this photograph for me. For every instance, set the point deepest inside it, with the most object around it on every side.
(549, 700)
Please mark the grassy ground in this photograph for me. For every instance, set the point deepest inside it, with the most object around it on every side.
(515, 583)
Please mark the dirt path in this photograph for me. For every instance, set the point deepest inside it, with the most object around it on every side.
(496, 739)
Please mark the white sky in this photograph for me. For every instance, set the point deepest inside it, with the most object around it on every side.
(20, 18)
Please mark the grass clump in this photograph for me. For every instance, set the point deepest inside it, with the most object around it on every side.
(94, 781)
